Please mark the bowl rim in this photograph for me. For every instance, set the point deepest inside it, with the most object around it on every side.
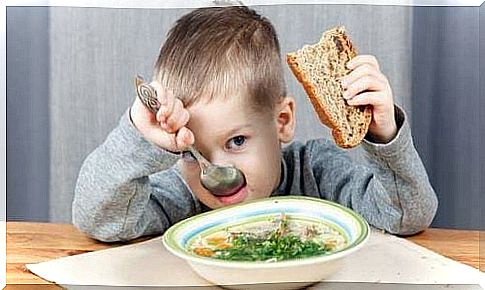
(176, 250)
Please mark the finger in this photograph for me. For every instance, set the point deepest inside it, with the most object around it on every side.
(163, 98)
(181, 121)
(369, 98)
(363, 59)
(167, 110)
(184, 138)
(177, 118)
(359, 72)
(184, 119)
(167, 139)
(161, 92)
(365, 83)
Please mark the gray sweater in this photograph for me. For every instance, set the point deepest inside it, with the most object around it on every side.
(128, 187)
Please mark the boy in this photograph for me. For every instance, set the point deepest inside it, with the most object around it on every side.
(219, 79)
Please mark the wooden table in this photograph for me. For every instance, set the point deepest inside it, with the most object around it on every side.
(38, 242)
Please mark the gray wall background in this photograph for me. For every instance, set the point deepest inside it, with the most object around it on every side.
(28, 113)
(445, 103)
(482, 131)
(70, 77)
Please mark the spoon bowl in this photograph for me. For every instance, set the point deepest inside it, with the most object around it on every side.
(219, 180)
(224, 181)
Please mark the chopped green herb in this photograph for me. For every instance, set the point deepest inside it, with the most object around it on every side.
(275, 248)
(276, 244)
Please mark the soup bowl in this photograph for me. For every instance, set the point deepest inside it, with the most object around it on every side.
(301, 271)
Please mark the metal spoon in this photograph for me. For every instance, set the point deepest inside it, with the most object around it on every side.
(220, 180)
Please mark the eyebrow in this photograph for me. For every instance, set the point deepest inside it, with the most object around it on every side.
(225, 134)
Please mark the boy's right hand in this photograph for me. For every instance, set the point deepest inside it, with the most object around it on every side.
(167, 129)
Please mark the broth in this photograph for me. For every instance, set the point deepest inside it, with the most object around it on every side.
(276, 239)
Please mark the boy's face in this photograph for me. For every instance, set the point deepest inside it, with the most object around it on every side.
(230, 132)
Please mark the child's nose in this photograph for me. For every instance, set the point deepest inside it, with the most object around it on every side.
(221, 159)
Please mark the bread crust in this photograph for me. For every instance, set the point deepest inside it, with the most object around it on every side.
(346, 51)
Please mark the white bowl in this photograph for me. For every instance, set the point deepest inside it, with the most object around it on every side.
(295, 272)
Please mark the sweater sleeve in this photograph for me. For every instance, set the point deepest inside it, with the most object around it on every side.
(390, 190)
(126, 188)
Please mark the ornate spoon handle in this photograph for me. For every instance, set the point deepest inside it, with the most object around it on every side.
(147, 94)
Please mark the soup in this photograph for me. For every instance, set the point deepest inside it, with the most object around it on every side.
(276, 239)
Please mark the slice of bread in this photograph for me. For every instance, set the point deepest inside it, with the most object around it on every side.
(319, 68)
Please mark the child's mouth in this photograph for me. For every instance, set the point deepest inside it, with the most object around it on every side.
(237, 196)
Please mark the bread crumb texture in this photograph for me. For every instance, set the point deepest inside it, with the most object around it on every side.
(319, 68)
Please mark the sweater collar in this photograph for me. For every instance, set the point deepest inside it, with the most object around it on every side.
(280, 190)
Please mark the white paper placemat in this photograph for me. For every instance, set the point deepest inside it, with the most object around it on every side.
(384, 259)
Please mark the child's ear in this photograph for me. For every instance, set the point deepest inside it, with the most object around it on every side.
(285, 119)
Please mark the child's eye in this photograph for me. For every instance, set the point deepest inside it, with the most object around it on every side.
(187, 156)
(236, 142)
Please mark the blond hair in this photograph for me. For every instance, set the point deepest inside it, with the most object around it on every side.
(222, 52)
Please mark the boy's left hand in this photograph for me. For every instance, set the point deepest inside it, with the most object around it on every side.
(366, 85)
